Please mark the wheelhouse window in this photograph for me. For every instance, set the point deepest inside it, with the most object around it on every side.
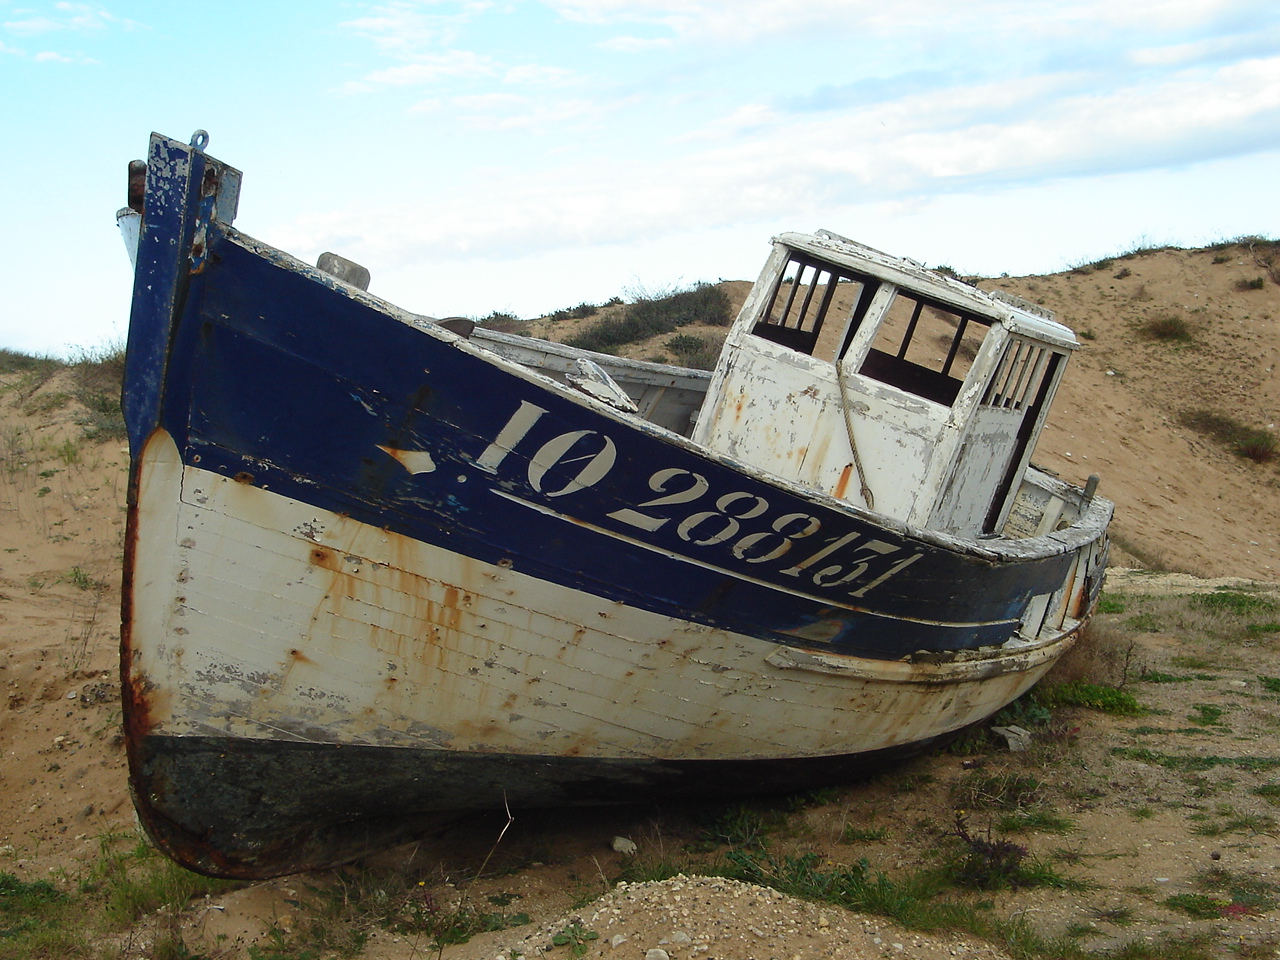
(1018, 378)
(925, 348)
(811, 306)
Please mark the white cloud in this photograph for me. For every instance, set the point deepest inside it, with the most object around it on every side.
(405, 27)
(497, 111)
(776, 166)
(75, 17)
(429, 68)
(738, 21)
(535, 75)
(636, 44)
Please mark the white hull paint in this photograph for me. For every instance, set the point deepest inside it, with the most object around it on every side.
(290, 623)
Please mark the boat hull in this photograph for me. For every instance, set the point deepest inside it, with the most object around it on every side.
(375, 573)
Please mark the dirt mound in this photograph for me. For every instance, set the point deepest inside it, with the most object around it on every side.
(1185, 502)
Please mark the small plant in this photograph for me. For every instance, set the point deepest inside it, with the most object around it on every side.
(580, 312)
(987, 863)
(1155, 676)
(1234, 602)
(1229, 895)
(133, 879)
(1167, 327)
(1039, 819)
(991, 863)
(26, 907)
(852, 834)
(1257, 283)
(1221, 258)
(1269, 792)
(1120, 916)
(419, 912)
(1198, 906)
(1206, 715)
(1252, 443)
(1003, 791)
(1250, 824)
(576, 937)
(1124, 272)
(1185, 662)
(742, 826)
(1109, 604)
(80, 579)
(1095, 696)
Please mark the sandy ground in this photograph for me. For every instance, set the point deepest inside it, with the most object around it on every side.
(1181, 500)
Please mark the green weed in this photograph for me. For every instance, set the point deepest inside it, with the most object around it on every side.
(1167, 327)
(1207, 715)
(1095, 696)
(1252, 443)
(133, 879)
(79, 578)
(38, 920)
(1232, 601)
(1198, 762)
(1269, 792)
(576, 937)
(1039, 820)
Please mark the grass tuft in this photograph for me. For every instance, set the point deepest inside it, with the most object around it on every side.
(1252, 443)
(1167, 327)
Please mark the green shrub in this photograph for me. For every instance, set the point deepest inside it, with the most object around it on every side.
(651, 316)
(1253, 443)
(1168, 327)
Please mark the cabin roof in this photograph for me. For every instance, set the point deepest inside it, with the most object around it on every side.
(1018, 316)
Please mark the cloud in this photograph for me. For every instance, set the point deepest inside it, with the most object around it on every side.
(739, 21)
(775, 166)
(534, 75)
(74, 17)
(636, 44)
(497, 111)
(405, 27)
(427, 69)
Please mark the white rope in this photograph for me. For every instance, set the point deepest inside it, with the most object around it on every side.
(848, 426)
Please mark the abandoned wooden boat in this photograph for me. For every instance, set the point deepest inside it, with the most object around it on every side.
(380, 566)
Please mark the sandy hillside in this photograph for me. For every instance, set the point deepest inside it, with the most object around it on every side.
(1183, 502)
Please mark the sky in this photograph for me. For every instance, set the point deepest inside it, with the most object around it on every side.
(525, 155)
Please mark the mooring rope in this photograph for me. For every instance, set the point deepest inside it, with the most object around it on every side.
(848, 426)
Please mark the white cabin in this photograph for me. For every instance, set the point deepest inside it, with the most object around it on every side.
(878, 382)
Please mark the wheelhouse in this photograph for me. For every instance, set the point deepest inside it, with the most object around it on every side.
(878, 382)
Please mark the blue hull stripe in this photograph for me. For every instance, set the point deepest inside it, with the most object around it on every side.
(290, 385)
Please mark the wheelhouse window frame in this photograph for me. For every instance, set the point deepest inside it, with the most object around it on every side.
(793, 319)
(936, 379)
